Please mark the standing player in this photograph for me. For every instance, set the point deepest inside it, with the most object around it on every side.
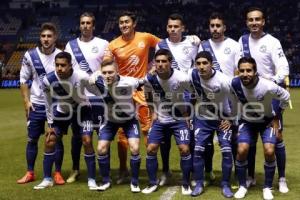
(272, 64)
(212, 112)
(117, 92)
(87, 54)
(36, 64)
(226, 53)
(183, 51)
(130, 51)
(256, 94)
(72, 106)
(165, 89)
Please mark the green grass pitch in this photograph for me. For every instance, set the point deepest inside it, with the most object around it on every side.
(13, 139)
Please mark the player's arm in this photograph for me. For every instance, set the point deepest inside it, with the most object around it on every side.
(108, 54)
(280, 62)
(48, 101)
(26, 75)
(149, 99)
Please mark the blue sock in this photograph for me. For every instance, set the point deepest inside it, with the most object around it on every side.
(209, 153)
(135, 163)
(152, 165)
(226, 165)
(76, 144)
(198, 164)
(104, 166)
(241, 170)
(165, 154)
(48, 163)
(251, 160)
(269, 173)
(280, 158)
(90, 165)
(186, 168)
(31, 153)
(59, 155)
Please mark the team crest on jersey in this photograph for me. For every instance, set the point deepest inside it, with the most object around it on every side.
(186, 50)
(227, 50)
(141, 45)
(260, 97)
(175, 86)
(95, 49)
(263, 49)
(216, 89)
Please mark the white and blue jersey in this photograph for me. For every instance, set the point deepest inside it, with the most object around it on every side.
(120, 111)
(268, 54)
(226, 54)
(257, 111)
(35, 65)
(184, 53)
(70, 97)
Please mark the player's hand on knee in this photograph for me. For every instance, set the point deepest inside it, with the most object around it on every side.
(225, 125)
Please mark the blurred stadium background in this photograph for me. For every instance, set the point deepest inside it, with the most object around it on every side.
(20, 21)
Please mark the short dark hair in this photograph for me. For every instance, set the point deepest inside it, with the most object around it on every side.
(64, 55)
(49, 26)
(88, 14)
(176, 16)
(253, 8)
(164, 52)
(204, 54)
(216, 15)
(129, 14)
(248, 60)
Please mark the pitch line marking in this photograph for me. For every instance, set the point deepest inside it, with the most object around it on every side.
(169, 193)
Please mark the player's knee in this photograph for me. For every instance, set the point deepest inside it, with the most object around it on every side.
(152, 149)
(86, 140)
(184, 150)
(243, 149)
(269, 151)
(51, 141)
(102, 150)
(134, 148)
(32, 140)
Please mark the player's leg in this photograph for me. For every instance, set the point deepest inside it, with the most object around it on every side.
(106, 135)
(269, 140)
(182, 137)
(280, 152)
(86, 129)
(224, 138)
(155, 137)
(244, 139)
(122, 153)
(251, 181)
(35, 127)
(202, 133)
(209, 153)
(132, 131)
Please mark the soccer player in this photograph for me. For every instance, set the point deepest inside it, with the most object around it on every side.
(130, 51)
(256, 94)
(37, 62)
(165, 89)
(72, 106)
(212, 112)
(117, 93)
(184, 52)
(226, 53)
(87, 54)
(272, 64)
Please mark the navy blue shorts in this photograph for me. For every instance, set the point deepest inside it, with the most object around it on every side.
(109, 129)
(36, 121)
(159, 131)
(247, 133)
